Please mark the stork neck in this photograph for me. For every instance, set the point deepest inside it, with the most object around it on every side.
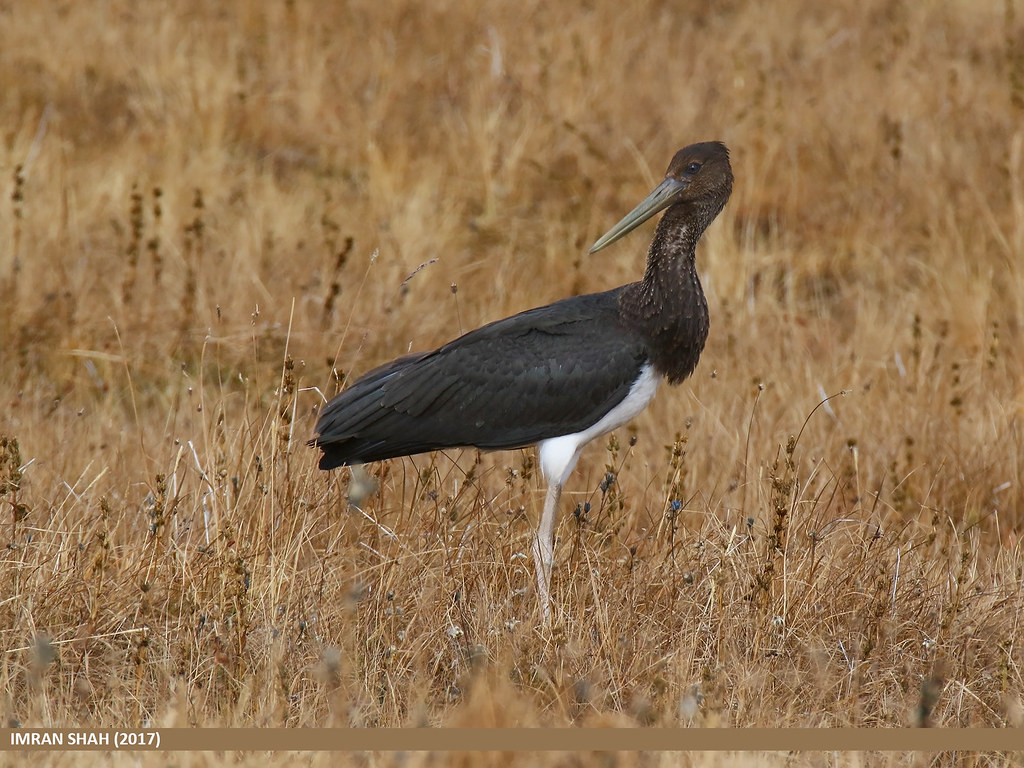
(673, 250)
(668, 306)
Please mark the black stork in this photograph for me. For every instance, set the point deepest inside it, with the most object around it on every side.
(559, 375)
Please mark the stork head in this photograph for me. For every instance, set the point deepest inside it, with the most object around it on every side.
(699, 176)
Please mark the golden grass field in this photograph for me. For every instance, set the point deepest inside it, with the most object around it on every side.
(213, 213)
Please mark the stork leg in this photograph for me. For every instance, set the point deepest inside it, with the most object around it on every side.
(544, 548)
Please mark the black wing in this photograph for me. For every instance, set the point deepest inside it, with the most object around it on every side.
(546, 372)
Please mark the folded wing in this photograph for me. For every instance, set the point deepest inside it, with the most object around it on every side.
(546, 372)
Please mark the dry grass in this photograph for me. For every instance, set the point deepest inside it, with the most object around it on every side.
(211, 214)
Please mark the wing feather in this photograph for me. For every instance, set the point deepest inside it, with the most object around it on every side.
(540, 374)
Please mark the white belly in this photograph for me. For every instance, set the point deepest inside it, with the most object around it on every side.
(558, 455)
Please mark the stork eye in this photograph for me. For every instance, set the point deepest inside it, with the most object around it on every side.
(692, 168)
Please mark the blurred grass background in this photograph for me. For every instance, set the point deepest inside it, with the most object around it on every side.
(215, 212)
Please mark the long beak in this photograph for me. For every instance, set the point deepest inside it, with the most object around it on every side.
(661, 198)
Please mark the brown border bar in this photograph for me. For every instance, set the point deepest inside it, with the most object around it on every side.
(563, 739)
